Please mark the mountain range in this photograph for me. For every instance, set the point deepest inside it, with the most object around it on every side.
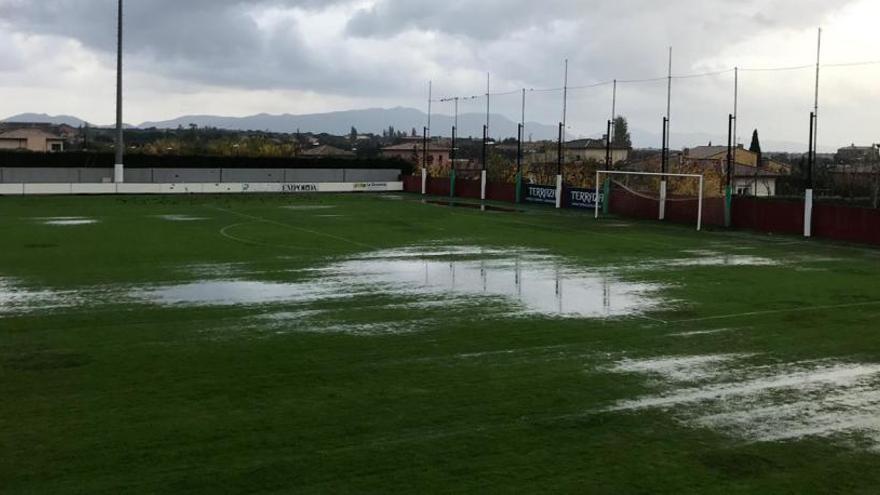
(376, 120)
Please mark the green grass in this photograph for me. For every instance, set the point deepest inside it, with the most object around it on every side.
(115, 394)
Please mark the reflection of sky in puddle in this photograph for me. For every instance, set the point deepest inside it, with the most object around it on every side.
(232, 292)
(15, 299)
(533, 283)
(539, 285)
(67, 221)
(181, 218)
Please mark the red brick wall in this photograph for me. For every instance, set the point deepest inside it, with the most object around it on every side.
(467, 188)
(766, 215)
(499, 191)
(412, 183)
(846, 223)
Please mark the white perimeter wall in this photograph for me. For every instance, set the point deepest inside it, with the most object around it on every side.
(205, 188)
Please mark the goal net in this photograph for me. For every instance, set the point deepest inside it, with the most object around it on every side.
(677, 197)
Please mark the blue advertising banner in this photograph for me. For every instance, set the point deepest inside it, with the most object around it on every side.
(584, 198)
(533, 193)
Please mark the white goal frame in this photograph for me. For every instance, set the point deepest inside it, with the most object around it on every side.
(662, 215)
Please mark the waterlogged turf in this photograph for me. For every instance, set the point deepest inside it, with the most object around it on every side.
(381, 344)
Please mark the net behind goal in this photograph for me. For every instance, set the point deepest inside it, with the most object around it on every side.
(651, 195)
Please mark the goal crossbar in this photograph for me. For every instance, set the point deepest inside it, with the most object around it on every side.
(702, 179)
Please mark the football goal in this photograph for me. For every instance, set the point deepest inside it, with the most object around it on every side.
(647, 193)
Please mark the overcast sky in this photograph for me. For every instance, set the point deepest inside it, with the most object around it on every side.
(231, 57)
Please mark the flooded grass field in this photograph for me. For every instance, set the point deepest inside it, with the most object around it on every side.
(326, 344)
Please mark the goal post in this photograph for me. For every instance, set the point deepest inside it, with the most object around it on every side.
(663, 198)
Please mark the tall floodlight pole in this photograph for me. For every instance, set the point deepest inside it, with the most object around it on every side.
(728, 191)
(565, 101)
(488, 102)
(663, 159)
(520, 134)
(519, 151)
(119, 168)
(808, 196)
(559, 150)
(452, 164)
(814, 139)
(430, 103)
(614, 106)
(669, 103)
(667, 138)
(424, 161)
(816, 103)
(483, 175)
(735, 104)
(608, 148)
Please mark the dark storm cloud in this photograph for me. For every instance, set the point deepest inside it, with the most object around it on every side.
(626, 38)
(216, 42)
(522, 42)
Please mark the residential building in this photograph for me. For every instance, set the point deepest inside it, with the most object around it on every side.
(586, 150)
(740, 156)
(749, 179)
(760, 182)
(858, 154)
(327, 151)
(36, 139)
(414, 152)
(574, 152)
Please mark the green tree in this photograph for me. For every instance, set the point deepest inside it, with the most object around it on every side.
(622, 138)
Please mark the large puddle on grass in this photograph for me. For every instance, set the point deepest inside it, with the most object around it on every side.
(524, 282)
(764, 403)
(17, 299)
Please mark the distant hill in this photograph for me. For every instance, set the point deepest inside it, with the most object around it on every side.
(43, 118)
(48, 119)
(374, 120)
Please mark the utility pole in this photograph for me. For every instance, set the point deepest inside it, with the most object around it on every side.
(119, 167)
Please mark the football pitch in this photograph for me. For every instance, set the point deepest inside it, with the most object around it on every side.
(383, 344)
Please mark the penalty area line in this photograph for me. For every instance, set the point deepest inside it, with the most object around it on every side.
(780, 311)
(224, 232)
(301, 229)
